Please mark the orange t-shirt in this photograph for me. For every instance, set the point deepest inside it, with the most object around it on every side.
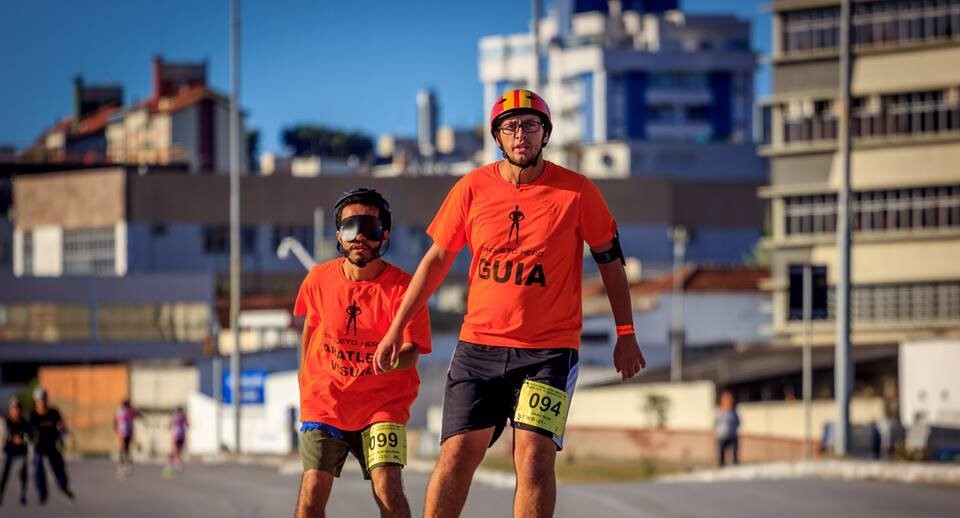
(337, 383)
(527, 245)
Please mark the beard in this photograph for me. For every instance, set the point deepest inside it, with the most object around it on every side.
(524, 164)
(361, 258)
(527, 164)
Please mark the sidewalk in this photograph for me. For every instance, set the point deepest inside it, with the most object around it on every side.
(888, 471)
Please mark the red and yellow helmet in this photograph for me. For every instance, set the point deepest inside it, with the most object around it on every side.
(519, 100)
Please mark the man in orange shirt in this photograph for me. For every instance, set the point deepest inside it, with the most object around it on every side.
(344, 407)
(525, 221)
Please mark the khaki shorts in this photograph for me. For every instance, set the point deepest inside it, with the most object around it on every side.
(322, 450)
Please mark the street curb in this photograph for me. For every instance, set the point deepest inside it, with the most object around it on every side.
(904, 472)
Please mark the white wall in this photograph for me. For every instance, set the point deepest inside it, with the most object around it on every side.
(120, 248)
(929, 381)
(162, 387)
(785, 419)
(48, 251)
(156, 392)
(691, 406)
(263, 428)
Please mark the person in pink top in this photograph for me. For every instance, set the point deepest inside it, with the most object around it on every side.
(178, 428)
(124, 427)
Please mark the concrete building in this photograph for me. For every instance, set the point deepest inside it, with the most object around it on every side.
(722, 307)
(183, 122)
(95, 320)
(81, 137)
(905, 177)
(435, 150)
(115, 221)
(635, 88)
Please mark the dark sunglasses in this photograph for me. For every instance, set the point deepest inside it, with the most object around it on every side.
(366, 226)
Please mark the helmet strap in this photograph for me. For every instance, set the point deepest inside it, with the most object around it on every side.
(384, 246)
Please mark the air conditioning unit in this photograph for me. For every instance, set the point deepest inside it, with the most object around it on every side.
(610, 160)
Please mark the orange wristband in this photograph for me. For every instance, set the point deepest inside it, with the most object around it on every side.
(626, 329)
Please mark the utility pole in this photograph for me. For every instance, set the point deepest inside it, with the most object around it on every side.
(807, 358)
(680, 238)
(535, 30)
(235, 216)
(319, 254)
(843, 365)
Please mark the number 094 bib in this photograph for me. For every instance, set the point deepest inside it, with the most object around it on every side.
(385, 443)
(542, 406)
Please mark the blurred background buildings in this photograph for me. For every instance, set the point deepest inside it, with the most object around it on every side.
(115, 248)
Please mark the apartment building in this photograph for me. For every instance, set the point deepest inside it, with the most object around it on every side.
(905, 165)
(635, 88)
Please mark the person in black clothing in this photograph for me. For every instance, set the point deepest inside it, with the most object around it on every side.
(48, 428)
(15, 447)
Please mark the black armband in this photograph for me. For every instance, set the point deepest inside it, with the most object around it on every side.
(611, 255)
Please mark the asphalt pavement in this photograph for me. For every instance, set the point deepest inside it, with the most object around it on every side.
(253, 491)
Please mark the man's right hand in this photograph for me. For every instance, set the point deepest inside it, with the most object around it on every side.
(388, 353)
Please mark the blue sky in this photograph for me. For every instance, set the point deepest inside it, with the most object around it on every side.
(354, 65)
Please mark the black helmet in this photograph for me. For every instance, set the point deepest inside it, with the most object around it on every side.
(364, 196)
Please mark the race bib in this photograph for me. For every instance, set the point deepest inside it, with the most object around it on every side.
(542, 406)
(385, 442)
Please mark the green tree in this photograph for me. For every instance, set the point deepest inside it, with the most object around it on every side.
(657, 405)
(306, 139)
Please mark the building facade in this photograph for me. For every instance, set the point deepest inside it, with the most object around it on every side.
(115, 221)
(183, 122)
(634, 87)
(905, 165)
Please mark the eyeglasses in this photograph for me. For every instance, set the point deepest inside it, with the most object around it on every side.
(529, 126)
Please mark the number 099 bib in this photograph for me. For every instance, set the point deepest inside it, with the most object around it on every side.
(385, 443)
(542, 406)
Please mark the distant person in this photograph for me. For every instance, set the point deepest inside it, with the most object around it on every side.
(727, 427)
(48, 431)
(15, 447)
(346, 407)
(178, 429)
(124, 427)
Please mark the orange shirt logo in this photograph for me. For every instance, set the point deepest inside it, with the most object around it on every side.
(353, 310)
(515, 217)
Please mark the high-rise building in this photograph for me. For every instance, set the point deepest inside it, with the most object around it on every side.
(635, 87)
(426, 123)
(905, 166)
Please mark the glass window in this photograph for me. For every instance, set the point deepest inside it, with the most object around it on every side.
(89, 251)
(44, 322)
(215, 239)
(161, 322)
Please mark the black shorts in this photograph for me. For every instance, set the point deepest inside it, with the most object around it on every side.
(484, 382)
